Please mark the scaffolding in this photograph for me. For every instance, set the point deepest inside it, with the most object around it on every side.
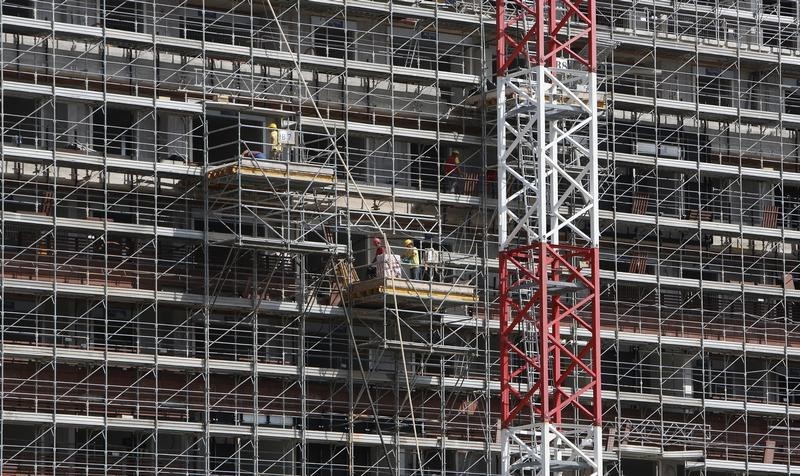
(187, 288)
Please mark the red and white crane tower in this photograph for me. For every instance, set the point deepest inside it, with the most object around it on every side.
(547, 111)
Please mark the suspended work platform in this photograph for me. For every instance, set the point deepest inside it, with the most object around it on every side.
(250, 171)
(273, 204)
(410, 294)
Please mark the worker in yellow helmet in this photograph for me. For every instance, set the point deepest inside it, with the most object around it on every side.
(411, 257)
(275, 142)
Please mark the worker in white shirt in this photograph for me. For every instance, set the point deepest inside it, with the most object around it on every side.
(431, 263)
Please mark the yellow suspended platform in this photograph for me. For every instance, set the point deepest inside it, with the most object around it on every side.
(253, 170)
(410, 294)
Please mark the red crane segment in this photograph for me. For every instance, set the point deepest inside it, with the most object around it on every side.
(540, 39)
(546, 270)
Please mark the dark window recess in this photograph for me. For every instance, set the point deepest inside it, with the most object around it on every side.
(222, 451)
(19, 8)
(324, 352)
(630, 370)
(403, 53)
(20, 121)
(226, 139)
(318, 147)
(333, 41)
(609, 368)
(124, 15)
(113, 135)
(357, 149)
(421, 53)
(715, 91)
(794, 386)
(789, 211)
(121, 217)
(784, 36)
(66, 133)
(118, 331)
(782, 7)
(697, 274)
(198, 140)
(791, 102)
(427, 156)
(323, 460)
(217, 30)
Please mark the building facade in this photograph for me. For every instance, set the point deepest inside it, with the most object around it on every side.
(191, 194)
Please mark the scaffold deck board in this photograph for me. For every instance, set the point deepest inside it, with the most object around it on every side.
(273, 170)
(409, 294)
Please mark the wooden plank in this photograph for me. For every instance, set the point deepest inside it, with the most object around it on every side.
(640, 203)
(409, 294)
(314, 173)
(788, 281)
(769, 452)
(769, 216)
(611, 439)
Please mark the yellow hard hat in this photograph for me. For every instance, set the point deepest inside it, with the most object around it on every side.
(408, 242)
(272, 125)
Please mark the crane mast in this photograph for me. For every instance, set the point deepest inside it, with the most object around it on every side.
(548, 224)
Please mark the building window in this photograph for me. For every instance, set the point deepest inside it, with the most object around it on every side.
(18, 8)
(333, 40)
(791, 100)
(780, 7)
(780, 35)
(420, 52)
(124, 15)
(211, 28)
(714, 90)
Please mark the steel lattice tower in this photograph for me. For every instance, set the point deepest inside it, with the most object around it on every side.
(548, 191)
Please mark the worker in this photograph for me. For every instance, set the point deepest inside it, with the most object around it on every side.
(491, 182)
(431, 263)
(451, 172)
(385, 264)
(379, 249)
(372, 269)
(275, 142)
(256, 154)
(411, 258)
